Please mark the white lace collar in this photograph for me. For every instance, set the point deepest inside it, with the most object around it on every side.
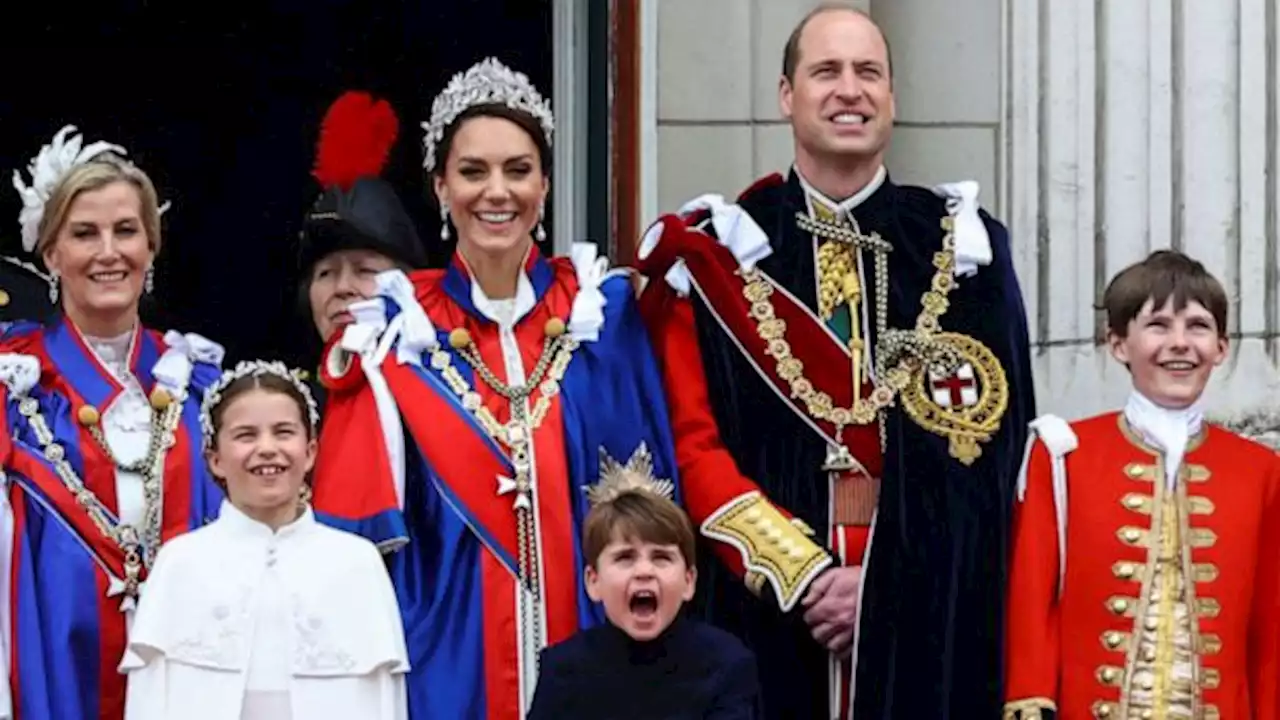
(1168, 429)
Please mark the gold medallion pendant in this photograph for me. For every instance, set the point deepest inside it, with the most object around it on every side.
(964, 403)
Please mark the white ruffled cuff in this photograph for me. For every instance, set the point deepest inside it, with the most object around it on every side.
(735, 229)
(20, 373)
(173, 370)
(973, 244)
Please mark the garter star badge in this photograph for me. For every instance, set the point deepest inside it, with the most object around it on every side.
(963, 403)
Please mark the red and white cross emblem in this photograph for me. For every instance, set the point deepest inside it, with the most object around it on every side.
(951, 391)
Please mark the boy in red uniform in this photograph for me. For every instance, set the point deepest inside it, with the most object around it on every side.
(1145, 580)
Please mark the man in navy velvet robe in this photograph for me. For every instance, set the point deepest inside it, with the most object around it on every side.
(848, 356)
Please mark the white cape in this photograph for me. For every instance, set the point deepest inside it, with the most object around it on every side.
(194, 633)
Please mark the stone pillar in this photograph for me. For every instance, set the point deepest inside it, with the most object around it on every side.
(1131, 126)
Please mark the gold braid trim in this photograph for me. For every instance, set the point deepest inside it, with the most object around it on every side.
(819, 404)
(774, 549)
(902, 358)
(1028, 708)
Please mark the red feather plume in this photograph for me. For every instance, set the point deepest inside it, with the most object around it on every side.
(355, 138)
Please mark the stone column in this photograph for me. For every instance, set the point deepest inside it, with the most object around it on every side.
(1136, 125)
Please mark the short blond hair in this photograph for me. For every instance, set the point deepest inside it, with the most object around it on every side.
(96, 174)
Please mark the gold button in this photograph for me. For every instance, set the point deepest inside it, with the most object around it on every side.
(1119, 605)
(1132, 535)
(160, 398)
(555, 327)
(1113, 639)
(1146, 683)
(459, 338)
(1124, 571)
(1133, 501)
(1151, 623)
(1108, 675)
(4, 298)
(88, 415)
(1148, 714)
(1103, 710)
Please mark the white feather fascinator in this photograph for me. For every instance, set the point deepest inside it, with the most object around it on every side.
(67, 151)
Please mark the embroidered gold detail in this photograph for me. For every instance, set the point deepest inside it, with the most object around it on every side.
(964, 426)
(1202, 537)
(1028, 709)
(1142, 504)
(1205, 572)
(1103, 709)
(637, 474)
(1197, 473)
(1210, 678)
(1211, 712)
(1163, 658)
(1139, 471)
(1120, 605)
(755, 582)
(1125, 570)
(1210, 644)
(1208, 607)
(1134, 536)
(1197, 505)
(1115, 640)
(903, 358)
(770, 544)
(790, 369)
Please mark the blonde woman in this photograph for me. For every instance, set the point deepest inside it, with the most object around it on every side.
(102, 455)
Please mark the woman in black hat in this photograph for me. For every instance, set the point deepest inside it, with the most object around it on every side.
(358, 227)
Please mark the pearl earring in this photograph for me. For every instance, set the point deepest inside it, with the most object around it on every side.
(444, 221)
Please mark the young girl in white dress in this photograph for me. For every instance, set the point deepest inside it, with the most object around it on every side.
(264, 614)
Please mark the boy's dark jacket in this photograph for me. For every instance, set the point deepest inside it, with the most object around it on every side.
(691, 672)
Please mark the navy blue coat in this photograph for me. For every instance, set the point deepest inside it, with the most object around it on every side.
(692, 671)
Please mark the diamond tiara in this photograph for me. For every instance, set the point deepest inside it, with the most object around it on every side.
(256, 368)
(486, 82)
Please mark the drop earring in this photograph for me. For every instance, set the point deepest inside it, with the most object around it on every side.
(54, 282)
(444, 221)
(149, 279)
(540, 233)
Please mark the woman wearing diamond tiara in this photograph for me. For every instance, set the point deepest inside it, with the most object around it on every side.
(104, 463)
(470, 407)
(300, 621)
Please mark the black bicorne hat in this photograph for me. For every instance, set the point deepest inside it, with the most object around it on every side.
(357, 209)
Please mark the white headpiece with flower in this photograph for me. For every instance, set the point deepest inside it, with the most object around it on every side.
(255, 368)
(47, 170)
(486, 82)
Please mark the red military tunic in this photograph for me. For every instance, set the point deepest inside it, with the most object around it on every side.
(1108, 634)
